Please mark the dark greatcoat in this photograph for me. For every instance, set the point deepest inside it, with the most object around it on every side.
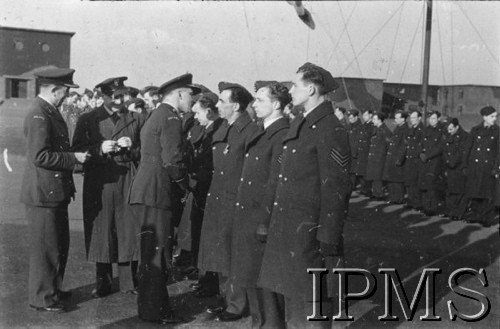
(497, 179)
(431, 172)
(310, 204)
(228, 149)
(162, 159)
(255, 201)
(480, 181)
(110, 228)
(379, 143)
(200, 170)
(413, 149)
(354, 131)
(48, 179)
(455, 160)
(363, 147)
(396, 153)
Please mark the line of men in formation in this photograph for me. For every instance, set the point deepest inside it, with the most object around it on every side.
(268, 200)
(253, 187)
(442, 168)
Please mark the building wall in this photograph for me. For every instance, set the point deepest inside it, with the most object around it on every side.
(461, 100)
(24, 50)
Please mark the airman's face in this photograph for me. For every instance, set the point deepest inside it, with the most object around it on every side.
(186, 100)
(353, 118)
(414, 119)
(452, 129)
(399, 119)
(200, 114)
(59, 95)
(263, 104)
(433, 120)
(225, 106)
(300, 90)
(490, 119)
(367, 116)
(339, 114)
(376, 121)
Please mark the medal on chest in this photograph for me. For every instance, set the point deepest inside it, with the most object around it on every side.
(226, 149)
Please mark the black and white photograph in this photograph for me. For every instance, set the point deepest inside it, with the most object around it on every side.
(249, 164)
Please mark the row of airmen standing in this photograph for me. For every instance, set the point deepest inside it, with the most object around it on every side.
(276, 193)
(442, 168)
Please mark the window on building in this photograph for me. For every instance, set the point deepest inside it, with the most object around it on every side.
(445, 93)
(460, 109)
(18, 88)
(460, 94)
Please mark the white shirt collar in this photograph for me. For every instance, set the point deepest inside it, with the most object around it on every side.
(270, 122)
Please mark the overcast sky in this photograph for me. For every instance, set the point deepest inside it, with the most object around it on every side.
(153, 41)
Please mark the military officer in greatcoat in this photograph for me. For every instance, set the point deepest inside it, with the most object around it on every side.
(312, 195)
(228, 148)
(480, 183)
(255, 200)
(395, 159)
(111, 134)
(431, 180)
(412, 160)
(47, 188)
(354, 129)
(162, 165)
(455, 160)
(363, 145)
(379, 142)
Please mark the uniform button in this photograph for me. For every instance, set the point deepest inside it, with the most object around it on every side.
(486, 161)
(241, 179)
(477, 160)
(213, 147)
(249, 183)
(280, 175)
(294, 150)
(285, 179)
(222, 173)
(257, 158)
(208, 194)
(479, 137)
(237, 204)
(488, 149)
(313, 126)
(284, 147)
(479, 149)
(276, 203)
(56, 175)
(246, 155)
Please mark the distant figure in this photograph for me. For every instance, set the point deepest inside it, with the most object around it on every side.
(455, 155)
(480, 184)
(363, 147)
(340, 113)
(395, 159)
(47, 189)
(379, 143)
(412, 160)
(354, 129)
(431, 180)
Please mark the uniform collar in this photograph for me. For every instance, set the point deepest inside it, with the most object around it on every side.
(242, 121)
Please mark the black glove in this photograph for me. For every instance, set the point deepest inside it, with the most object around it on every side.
(261, 233)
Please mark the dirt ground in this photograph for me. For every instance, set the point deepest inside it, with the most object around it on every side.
(377, 236)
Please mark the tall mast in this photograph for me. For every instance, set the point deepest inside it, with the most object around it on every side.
(427, 53)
